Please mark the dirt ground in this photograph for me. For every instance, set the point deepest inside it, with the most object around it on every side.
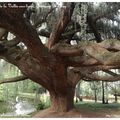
(79, 113)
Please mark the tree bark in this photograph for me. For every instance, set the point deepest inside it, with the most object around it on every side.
(95, 92)
(15, 79)
(106, 85)
(62, 102)
(103, 93)
(115, 97)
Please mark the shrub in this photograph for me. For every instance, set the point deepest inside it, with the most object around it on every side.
(40, 106)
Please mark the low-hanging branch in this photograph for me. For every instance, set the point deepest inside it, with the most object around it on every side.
(95, 77)
(87, 73)
(110, 44)
(15, 79)
(110, 72)
(76, 50)
(103, 55)
(91, 69)
(90, 53)
(67, 50)
(12, 42)
(80, 61)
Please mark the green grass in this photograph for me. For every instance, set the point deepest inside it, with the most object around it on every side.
(97, 106)
(4, 107)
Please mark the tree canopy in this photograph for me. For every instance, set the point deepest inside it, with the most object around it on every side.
(79, 40)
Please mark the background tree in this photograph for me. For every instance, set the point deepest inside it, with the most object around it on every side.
(95, 86)
(114, 90)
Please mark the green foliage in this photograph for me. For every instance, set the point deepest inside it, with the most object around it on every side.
(95, 87)
(47, 103)
(4, 107)
(40, 106)
(1, 93)
(114, 87)
(86, 90)
(43, 104)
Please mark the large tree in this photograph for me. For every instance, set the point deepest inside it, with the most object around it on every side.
(58, 65)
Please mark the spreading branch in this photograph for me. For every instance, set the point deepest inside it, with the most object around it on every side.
(12, 42)
(61, 25)
(15, 79)
(94, 77)
(84, 60)
(110, 72)
(103, 55)
(110, 44)
(67, 50)
(24, 30)
(89, 75)
(77, 50)
(91, 69)
(90, 53)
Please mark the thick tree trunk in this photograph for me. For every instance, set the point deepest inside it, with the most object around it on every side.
(62, 102)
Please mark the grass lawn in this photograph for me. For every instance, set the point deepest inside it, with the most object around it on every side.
(3, 108)
(84, 109)
(97, 106)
